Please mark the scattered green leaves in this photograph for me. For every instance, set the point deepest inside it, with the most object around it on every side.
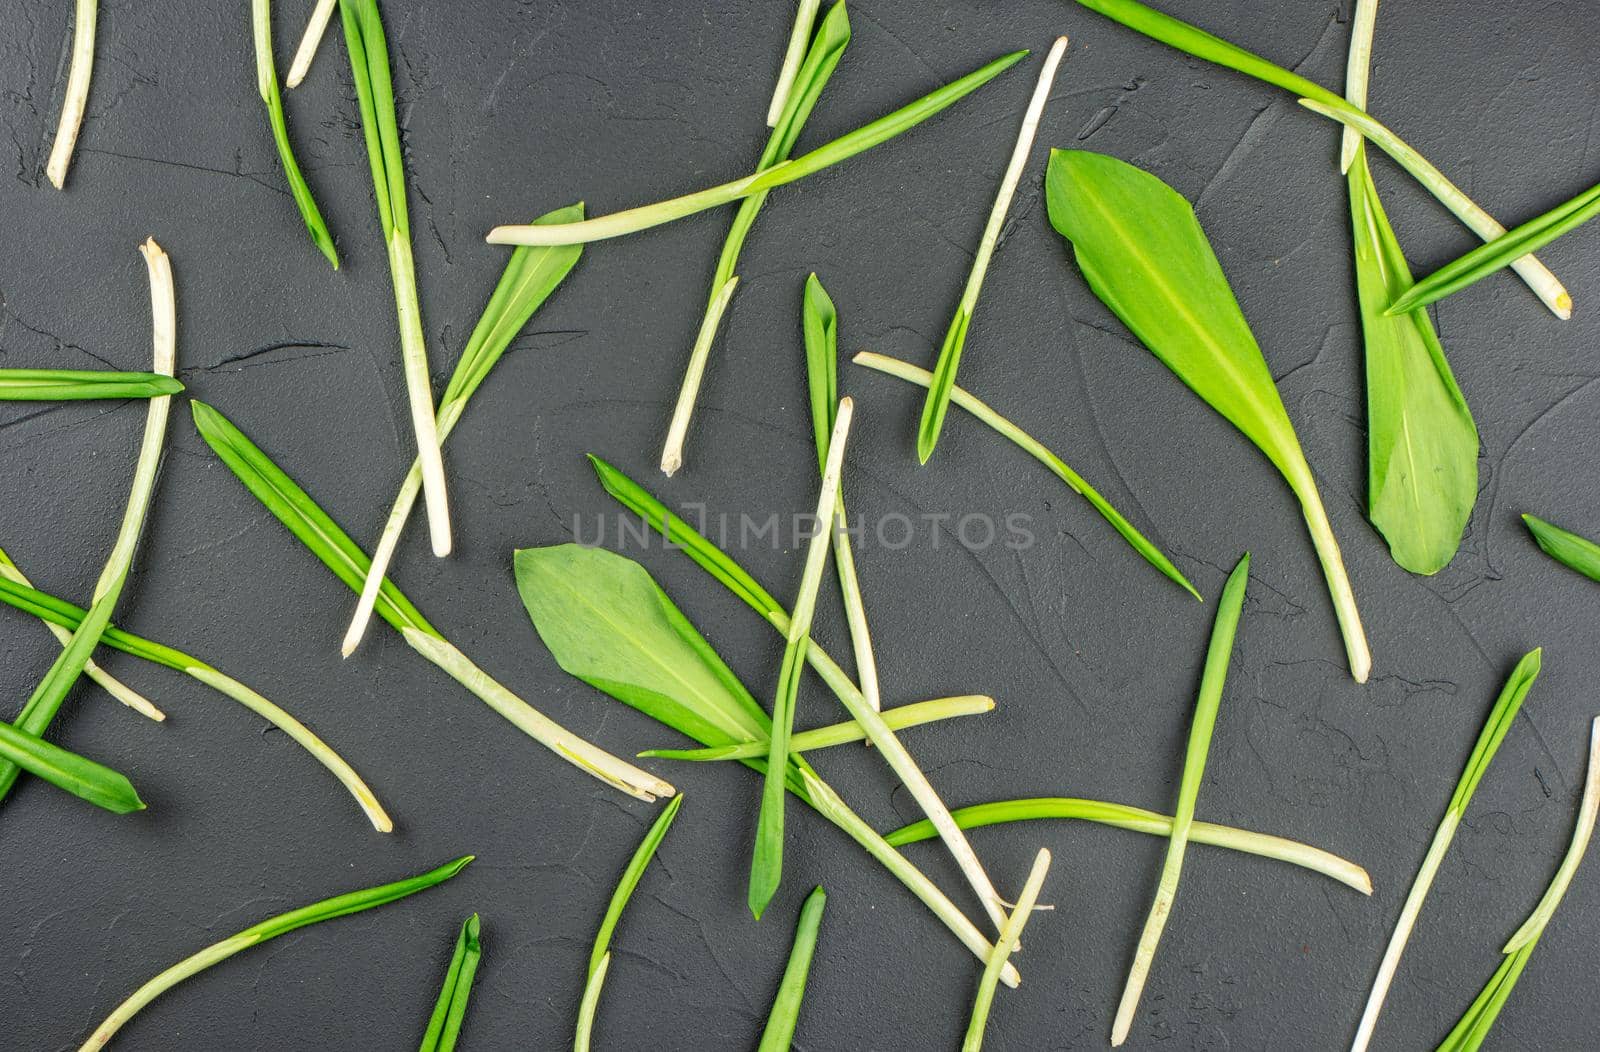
(294, 507)
(1501, 252)
(600, 955)
(955, 338)
(369, 66)
(1565, 547)
(450, 1011)
(1028, 444)
(267, 84)
(785, 1014)
(48, 696)
(1494, 731)
(531, 275)
(831, 153)
(1197, 42)
(282, 924)
(66, 385)
(1218, 653)
(1468, 1034)
(1143, 253)
(821, 57)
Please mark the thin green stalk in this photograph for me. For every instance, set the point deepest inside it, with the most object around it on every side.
(828, 804)
(369, 65)
(316, 26)
(1468, 1034)
(1028, 444)
(1218, 654)
(81, 777)
(955, 338)
(1003, 949)
(1197, 42)
(47, 698)
(805, 17)
(76, 99)
(267, 84)
(292, 506)
(589, 1004)
(68, 385)
(821, 58)
(819, 329)
(282, 924)
(840, 149)
(1501, 252)
(723, 568)
(778, 1034)
(1357, 74)
(530, 276)
(450, 1010)
(60, 613)
(600, 955)
(109, 683)
(766, 862)
(1494, 731)
(1565, 547)
(1138, 820)
(897, 718)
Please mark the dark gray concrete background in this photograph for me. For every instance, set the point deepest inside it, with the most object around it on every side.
(511, 109)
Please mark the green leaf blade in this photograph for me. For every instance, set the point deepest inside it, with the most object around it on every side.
(271, 95)
(70, 385)
(78, 775)
(778, 1034)
(449, 1012)
(1422, 443)
(1565, 547)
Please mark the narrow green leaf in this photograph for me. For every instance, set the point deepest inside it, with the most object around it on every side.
(600, 955)
(1028, 444)
(1138, 820)
(779, 1031)
(267, 83)
(64, 385)
(530, 276)
(1501, 252)
(327, 909)
(48, 696)
(1197, 42)
(898, 718)
(1422, 445)
(805, 18)
(444, 1027)
(1004, 947)
(369, 67)
(1218, 653)
(831, 153)
(1565, 547)
(766, 862)
(292, 506)
(1142, 251)
(83, 778)
(955, 338)
(1494, 731)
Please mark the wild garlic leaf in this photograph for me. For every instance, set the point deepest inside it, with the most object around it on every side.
(267, 85)
(450, 1010)
(1422, 445)
(1565, 547)
(1142, 251)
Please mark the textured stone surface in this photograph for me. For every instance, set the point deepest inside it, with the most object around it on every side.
(511, 109)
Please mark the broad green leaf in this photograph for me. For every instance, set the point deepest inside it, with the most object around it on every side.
(450, 1010)
(1142, 251)
(611, 626)
(1422, 446)
(1566, 547)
